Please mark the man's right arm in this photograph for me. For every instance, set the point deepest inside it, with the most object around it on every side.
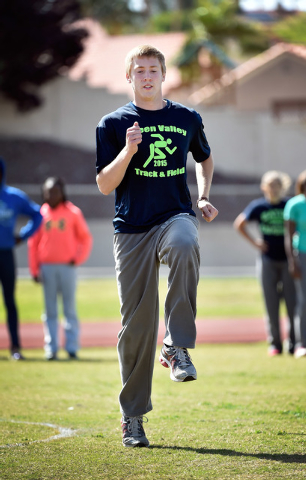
(112, 175)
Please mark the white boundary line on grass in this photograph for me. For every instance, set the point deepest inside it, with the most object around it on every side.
(63, 433)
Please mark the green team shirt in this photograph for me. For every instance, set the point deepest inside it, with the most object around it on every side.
(295, 210)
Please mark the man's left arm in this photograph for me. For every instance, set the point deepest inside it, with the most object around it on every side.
(204, 174)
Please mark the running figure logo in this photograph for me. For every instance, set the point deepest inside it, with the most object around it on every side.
(155, 149)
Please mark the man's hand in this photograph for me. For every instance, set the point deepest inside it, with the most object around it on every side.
(209, 212)
(112, 175)
(133, 138)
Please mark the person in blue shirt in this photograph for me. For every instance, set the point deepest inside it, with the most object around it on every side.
(13, 203)
(142, 152)
(273, 270)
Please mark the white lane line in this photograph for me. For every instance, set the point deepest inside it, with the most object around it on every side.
(63, 433)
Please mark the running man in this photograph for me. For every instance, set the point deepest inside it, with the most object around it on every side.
(154, 224)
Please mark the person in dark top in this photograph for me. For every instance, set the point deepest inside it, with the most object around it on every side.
(141, 154)
(272, 265)
(13, 203)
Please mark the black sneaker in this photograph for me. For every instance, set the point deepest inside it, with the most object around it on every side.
(72, 356)
(179, 361)
(51, 357)
(133, 432)
(16, 355)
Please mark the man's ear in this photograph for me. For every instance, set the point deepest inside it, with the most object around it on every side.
(128, 78)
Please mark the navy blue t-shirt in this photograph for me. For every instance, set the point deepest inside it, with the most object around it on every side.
(154, 187)
(271, 223)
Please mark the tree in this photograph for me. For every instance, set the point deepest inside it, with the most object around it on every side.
(116, 15)
(37, 42)
(292, 29)
(128, 16)
(214, 24)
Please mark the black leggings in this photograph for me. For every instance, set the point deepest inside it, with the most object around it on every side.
(8, 280)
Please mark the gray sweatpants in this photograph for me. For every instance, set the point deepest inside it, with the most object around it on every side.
(274, 274)
(60, 279)
(300, 317)
(138, 257)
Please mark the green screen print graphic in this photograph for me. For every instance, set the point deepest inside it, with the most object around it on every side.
(155, 149)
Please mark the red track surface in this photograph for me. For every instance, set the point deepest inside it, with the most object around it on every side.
(105, 334)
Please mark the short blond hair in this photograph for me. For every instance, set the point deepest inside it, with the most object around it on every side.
(282, 177)
(300, 186)
(144, 51)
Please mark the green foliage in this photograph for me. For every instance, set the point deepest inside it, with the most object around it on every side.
(215, 24)
(116, 16)
(171, 21)
(292, 29)
(244, 418)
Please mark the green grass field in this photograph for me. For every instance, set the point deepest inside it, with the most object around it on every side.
(97, 299)
(244, 418)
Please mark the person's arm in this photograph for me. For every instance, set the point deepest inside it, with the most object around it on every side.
(33, 243)
(84, 238)
(31, 210)
(290, 228)
(204, 174)
(112, 175)
(240, 224)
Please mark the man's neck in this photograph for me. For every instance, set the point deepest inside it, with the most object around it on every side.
(150, 105)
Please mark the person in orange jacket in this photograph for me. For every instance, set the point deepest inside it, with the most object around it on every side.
(62, 242)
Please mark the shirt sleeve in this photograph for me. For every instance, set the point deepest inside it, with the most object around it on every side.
(289, 211)
(32, 210)
(107, 147)
(251, 211)
(33, 243)
(199, 146)
(84, 238)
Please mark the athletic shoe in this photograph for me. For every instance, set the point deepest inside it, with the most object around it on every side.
(133, 432)
(16, 355)
(179, 361)
(300, 352)
(272, 352)
(51, 357)
(72, 356)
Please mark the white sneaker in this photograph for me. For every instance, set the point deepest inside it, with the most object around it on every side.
(133, 432)
(300, 352)
(179, 361)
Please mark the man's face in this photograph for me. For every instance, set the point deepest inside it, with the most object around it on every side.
(146, 78)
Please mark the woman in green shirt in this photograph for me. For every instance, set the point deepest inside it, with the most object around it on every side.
(295, 244)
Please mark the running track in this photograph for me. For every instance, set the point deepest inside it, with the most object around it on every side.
(105, 334)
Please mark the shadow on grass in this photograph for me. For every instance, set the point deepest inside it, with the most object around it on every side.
(284, 458)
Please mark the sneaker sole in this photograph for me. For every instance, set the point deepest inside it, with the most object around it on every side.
(136, 444)
(165, 363)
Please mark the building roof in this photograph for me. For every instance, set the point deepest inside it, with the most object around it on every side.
(247, 69)
(102, 63)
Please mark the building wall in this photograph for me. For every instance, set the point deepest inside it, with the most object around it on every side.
(70, 114)
(283, 80)
(251, 143)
